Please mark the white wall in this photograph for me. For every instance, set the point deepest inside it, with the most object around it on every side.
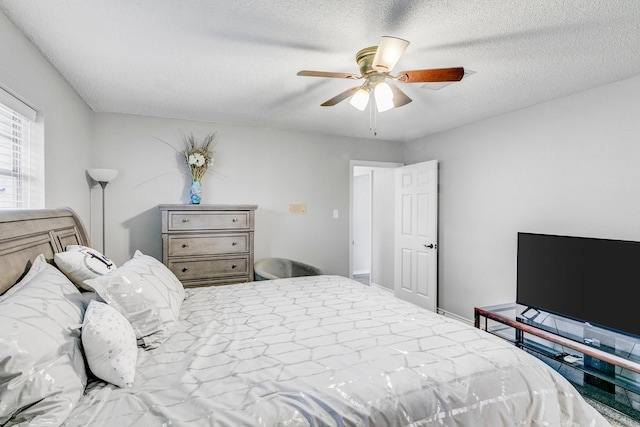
(68, 121)
(254, 166)
(571, 166)
(383, 234)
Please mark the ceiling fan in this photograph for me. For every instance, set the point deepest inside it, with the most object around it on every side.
(376, 63)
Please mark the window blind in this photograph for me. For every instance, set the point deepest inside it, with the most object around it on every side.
(14, 154)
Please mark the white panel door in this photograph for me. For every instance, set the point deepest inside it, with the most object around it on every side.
(416, 260)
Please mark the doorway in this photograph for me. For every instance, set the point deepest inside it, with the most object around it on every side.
(371, 257)
(393, 228)
(361, 241)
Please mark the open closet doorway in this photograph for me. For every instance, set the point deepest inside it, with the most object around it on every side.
(400, 209)
(362, 224)
(372, 222)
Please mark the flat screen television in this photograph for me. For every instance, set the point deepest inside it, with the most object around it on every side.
(587, 279)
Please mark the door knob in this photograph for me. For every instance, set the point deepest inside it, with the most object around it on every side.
(431, 246)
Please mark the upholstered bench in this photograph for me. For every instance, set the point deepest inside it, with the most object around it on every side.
(278, 268)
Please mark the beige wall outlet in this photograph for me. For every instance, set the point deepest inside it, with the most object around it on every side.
(298, 208)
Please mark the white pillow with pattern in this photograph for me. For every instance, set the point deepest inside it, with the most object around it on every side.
(147, 293)
(109, 344)
(80, 263)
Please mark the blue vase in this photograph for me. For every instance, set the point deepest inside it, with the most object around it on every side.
(196, 192)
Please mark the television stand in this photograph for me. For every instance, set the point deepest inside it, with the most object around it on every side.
(602, 364)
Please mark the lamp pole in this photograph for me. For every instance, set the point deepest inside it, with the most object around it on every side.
(103, 184)
(103, 177)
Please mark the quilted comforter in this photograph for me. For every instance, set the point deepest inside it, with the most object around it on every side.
(329, 351)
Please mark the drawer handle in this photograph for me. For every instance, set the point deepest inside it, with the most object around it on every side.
(184, 269)
(184, 245)
(234, 220)
(233, 266)
(185, 219)
(234, 244)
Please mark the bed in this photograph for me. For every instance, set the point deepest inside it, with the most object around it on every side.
(307, 351)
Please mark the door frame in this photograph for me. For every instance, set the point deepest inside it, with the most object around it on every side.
(352, 165)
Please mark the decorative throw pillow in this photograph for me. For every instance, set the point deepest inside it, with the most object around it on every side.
(80, 263)
(42, 368)
(147, 293)
(109, 344)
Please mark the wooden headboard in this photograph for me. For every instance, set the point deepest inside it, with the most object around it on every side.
(27, 233)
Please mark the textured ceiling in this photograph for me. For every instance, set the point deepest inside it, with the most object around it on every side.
(235, 62)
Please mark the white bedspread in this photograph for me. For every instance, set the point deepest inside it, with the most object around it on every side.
(329, 351)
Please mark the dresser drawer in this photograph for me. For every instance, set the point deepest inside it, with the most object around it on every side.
(191, 269)
(207, 244)
(224, 220)
(209, 281)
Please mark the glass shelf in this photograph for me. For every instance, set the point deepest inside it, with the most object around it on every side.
(596, 358)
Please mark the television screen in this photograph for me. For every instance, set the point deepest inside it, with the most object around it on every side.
(586, 279)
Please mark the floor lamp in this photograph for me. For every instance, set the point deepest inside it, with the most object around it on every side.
(103, 177)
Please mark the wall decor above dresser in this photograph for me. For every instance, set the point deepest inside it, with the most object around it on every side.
(205, 245)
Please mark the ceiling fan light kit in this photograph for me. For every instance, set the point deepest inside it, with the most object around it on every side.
(383, 96)
(388, 53)
(376, 63)
(360, 99)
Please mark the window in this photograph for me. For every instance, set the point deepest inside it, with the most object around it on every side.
(19, 168)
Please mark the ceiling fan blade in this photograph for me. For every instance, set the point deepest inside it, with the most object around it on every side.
(435, 75)
(399, 97)
(310, 73)
(388, 53)
(340, 97)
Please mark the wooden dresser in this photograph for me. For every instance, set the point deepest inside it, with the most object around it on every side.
(208, 245)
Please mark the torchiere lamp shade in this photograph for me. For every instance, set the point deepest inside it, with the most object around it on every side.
(103, 175)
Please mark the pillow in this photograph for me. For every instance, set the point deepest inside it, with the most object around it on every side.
(147, 293)
(109, 344)
(39, 263)
(42, 368)
(80, 263)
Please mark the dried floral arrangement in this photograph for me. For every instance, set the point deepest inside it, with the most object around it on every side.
(199, 155)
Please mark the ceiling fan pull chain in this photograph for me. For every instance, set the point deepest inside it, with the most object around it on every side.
(372, 117)
(375, 122)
